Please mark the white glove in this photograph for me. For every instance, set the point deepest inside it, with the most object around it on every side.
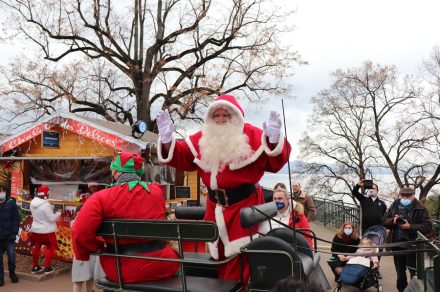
(165, 126)
(272, 127)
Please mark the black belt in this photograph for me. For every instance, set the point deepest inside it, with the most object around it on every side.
(137, 248)
(227, 197)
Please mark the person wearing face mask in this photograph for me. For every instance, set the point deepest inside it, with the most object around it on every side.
(372, 208)
(344, 242)
(284, 215)
(9, 223)
(404, 218)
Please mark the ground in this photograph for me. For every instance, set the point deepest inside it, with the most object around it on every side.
(23, 263)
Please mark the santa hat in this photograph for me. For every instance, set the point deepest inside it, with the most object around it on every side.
(43, 191)
(225, 101)
(128, 162)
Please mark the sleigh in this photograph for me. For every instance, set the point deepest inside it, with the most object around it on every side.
(272, 257)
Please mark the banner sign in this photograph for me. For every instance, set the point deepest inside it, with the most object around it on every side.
(93, 133)
(24, 137)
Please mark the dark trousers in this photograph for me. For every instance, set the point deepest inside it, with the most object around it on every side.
(401, 262)
(9, 247)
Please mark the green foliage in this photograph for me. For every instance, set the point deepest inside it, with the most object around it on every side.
(432, 204)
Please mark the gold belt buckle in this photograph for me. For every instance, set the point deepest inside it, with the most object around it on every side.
(221, 193)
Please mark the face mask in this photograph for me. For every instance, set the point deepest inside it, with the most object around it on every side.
(405, 202)
(348, 232)
(2, 196)
(280, 205)
(371, 193)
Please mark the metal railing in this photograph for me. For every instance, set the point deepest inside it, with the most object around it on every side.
(428, 264)
(335, 213)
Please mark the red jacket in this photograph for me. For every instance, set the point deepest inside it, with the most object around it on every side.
(119, 202)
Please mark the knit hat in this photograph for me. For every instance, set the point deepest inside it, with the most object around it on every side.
(225, 101)
(128, 162)
(407, 191)
(43, 191)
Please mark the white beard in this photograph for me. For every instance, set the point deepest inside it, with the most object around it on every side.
(221, 145)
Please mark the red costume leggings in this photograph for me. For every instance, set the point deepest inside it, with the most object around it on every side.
(38, 240)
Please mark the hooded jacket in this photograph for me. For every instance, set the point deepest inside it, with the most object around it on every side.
(44, 219)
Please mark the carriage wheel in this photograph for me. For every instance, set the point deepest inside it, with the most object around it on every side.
(379, 288)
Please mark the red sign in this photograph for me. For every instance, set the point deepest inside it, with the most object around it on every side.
(82, 129)
(26, 136)
(93, 133)
(16, 178)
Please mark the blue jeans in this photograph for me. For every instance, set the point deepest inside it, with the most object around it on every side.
(9, 247)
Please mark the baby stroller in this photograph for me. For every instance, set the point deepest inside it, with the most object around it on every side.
(359, 273)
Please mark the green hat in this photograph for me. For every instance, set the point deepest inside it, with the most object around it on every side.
(128, 162)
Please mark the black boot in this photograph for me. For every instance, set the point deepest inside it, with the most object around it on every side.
(2, 282)
(13, 277)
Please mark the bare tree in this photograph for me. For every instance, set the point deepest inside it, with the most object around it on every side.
(370, 120)
(178, 54)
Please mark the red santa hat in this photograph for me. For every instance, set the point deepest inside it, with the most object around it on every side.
(43, 191)
(228, 102)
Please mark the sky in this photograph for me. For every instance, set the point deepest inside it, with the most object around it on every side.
(343, 34)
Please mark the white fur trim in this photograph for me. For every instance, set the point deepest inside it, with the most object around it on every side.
(234, 246)
(191, 146)
(220, 220)
(170, 152)
(278, 149)
(223, 103)
(213, 180)
(243, 163)
(213, 249)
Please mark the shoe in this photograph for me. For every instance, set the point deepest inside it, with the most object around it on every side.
(36, 270)
(2, 282)
(48, 271)
(13, 277)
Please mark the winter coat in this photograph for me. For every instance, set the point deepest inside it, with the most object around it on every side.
(9, 218)
(307, 202)
(420, 220)
(372, 210)
(44, 219)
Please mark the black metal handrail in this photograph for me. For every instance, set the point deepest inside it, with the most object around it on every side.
(428, 264)
(335, 213)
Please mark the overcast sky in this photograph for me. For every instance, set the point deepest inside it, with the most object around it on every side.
(332, 34)
(345, 33)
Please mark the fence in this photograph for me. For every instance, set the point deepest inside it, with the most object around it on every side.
(428, 264)
(335, 213)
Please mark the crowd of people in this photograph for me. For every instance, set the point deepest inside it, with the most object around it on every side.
(230, 157)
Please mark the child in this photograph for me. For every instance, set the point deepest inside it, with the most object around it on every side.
(365, 246)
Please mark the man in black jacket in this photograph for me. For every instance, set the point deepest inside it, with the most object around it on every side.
(404, 218)
(372, 207)
(9, 222)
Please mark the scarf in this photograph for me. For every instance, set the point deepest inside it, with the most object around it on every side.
(132, 179)
(405, 212)
(346, 239)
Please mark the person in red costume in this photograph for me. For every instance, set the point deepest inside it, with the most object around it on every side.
(230, 156)
(128, 198)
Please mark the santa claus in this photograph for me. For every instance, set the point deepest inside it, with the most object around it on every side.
(230, 156)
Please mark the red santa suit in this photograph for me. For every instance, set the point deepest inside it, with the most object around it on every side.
(120, 202)
(186, 155)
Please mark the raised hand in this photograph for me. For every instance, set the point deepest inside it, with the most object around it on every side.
(165, 126)
(272, 127)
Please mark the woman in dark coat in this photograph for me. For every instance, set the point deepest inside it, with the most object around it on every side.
(346, 235)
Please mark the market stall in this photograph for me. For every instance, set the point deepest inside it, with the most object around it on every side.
(68, 153)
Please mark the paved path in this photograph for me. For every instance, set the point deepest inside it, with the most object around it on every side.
(63, 283)
(386, 263)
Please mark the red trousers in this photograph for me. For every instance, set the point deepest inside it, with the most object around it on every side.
(38, 240)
